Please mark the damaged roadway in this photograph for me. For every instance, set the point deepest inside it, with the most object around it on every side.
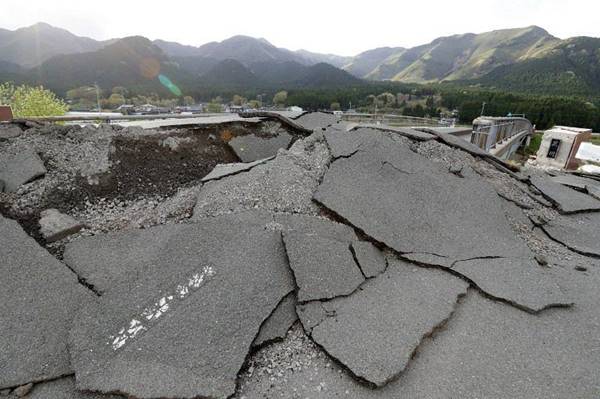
(373, 262)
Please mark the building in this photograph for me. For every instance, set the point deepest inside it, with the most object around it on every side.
(560, 145)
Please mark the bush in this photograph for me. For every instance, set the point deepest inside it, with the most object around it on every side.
(27, 101)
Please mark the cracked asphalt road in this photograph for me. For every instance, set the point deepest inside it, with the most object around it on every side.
(375, 262)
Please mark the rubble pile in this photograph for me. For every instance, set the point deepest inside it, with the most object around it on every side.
(357, 262)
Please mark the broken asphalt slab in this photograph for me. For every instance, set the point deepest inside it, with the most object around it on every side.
(317, 120)
(19, 168)
(9, 131)
(39, 299)
(434, 217)
(251, 148)
(315, 226)
(567, 199)
(371, 260)
(62, 388)
(55, 226)
(575, 181)
(228, 169)
(222, 277)
(285, 184)
(402, 131)
(280, 321)
(579, 232)
(323, 268)
(344, 143)
(522, 282)
(375, 331)
(486, 350)
(413, 205)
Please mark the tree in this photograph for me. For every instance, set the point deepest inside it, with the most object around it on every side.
(27, 101)
(254, 104)
(386, 99)
(115, 100)
(238, 100)
(120, 90)
(188, 100)
(335, 106)
(214, 107)
(280, 98)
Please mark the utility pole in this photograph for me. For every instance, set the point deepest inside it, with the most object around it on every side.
(482, 108)
(97, 96)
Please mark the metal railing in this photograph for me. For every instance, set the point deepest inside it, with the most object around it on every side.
(113, 118)
(392, 120)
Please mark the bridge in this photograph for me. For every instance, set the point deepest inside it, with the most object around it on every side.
(501, 136)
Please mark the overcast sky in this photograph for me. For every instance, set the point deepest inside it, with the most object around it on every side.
(331, 26)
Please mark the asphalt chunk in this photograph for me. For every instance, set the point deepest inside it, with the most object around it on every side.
(182, 319)
(228, 169)
(55, 225)
(251, 148)
(375, 331)
(577, 232)
(316, 226)
(19, 168)
(324, 268)
(279, 323)
(344, 143)
(317, 120)
(413, 205)
(370, 259)
(567, 199)
(39, 298)
(64, 388)
(522, 282)
(575, 181)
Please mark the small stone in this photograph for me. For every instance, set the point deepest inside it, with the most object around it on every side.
(541, 259)
(23, 390)
(581, 268)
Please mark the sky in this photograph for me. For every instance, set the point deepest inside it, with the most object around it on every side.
(326, 26)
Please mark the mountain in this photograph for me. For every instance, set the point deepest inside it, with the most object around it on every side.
(276, 75)
(30, 46)
(247, 50)
(174, 49)
(317, 58)
(366, 62)
(324, 75)
(570, 66)
(228, 74)
(465, 56)
(195, 65)
(134, 62)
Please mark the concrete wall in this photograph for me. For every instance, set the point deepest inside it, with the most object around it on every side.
(569, 143)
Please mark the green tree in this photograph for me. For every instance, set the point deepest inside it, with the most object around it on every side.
(280, 98)
(188, 100)
(335, 106)
(120, 90)
(387, 99)
(238, 100)
(254, 104)
(27, 101)
(214, 107)
(115, 100)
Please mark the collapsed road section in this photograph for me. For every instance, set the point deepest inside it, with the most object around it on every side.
(357, 261)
